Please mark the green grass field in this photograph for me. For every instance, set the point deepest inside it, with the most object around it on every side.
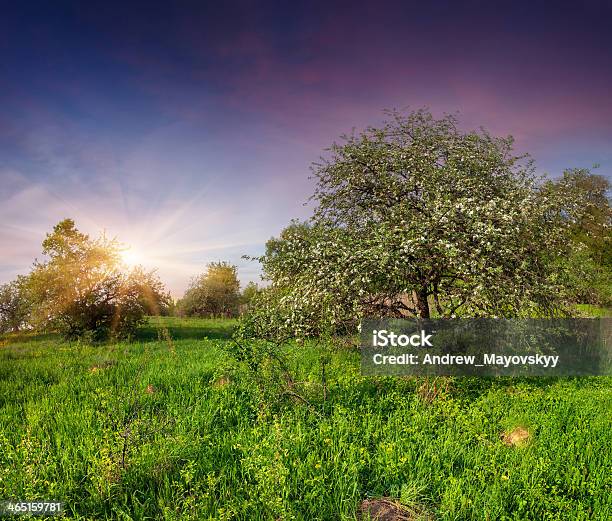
(166, 428)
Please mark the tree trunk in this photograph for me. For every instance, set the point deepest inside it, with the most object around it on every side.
(422, 303)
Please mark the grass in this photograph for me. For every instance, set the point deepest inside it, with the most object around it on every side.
(167, 428)
(589, 310)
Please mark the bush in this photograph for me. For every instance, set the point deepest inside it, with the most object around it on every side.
(279, 314)
(588, 281)
(14, 306)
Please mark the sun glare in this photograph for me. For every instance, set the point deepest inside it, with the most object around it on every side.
(131, 257)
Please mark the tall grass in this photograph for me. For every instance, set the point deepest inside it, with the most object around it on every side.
(166, 428)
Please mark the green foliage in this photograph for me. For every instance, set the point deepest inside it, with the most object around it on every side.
(588, 281)
(83, 291)
(419, 218)
(215, 293)
(592, 311)
(588, 267)
(14, 306)
(592, 225)
(200, 447)
(249, 293)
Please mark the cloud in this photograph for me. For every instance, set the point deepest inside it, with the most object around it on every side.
(176, 234)
(189, 133)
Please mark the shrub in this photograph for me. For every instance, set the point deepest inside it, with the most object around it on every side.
(14, 306)
(588, 281)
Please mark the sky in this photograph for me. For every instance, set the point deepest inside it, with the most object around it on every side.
(187, 129)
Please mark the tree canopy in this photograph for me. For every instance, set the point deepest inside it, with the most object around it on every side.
(417, 217)
(588, 266)
(215, 293)
(593, 225)
(249, 293)
(83, 289)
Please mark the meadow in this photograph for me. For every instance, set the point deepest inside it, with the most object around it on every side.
(168, 427)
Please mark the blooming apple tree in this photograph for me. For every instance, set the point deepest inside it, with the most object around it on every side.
(419, 218)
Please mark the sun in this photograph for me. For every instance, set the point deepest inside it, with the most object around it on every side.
(131, 257)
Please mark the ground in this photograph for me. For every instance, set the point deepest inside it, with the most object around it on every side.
(166, 427)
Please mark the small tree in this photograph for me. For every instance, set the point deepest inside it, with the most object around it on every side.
(82, 290)
(14, 306)
(588, 266)
(249, 293)
(215, 293)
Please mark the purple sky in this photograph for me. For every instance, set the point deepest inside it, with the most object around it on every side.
(187, 130)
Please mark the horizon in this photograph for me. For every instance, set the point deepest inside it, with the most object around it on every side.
(188, 134)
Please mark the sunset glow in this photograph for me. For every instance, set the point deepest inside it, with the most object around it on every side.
(132, 257)
(306, 260)
(193, 132)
